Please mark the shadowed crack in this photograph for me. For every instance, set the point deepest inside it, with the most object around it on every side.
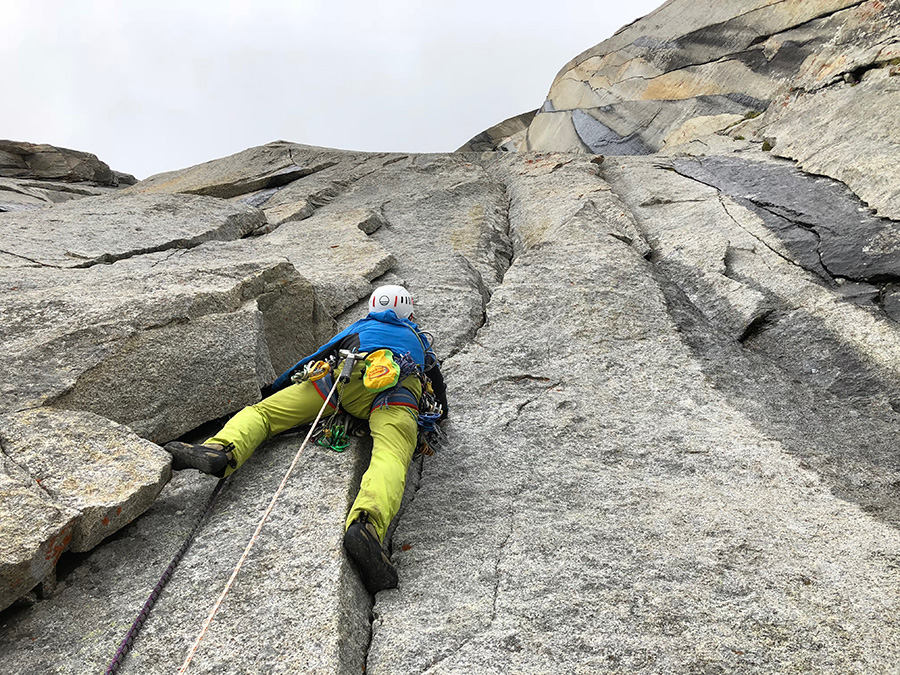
(822, 224)
(31, 260)
(737, 222)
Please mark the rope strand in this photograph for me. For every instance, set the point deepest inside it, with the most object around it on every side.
(137, 624)
(252, 541)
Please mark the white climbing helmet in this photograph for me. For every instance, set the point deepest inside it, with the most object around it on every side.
(396, 298)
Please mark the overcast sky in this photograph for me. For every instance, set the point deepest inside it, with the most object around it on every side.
(157, 86)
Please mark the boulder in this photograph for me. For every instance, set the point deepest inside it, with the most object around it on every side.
(35, 530)
(35, 176)
(161, 342)
(86, 463)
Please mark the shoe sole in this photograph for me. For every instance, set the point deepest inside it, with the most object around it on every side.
(376, 571)
(187, 456)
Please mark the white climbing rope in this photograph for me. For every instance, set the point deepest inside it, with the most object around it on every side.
(252, 541)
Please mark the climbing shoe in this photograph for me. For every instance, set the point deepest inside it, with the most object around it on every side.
(375, 568)
(211, 459)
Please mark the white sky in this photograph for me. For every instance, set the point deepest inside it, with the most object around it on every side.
(160, 85)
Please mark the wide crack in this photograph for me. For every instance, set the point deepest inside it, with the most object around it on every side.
(503, 253)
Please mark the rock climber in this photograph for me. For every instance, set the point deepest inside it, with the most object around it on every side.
(386, 388)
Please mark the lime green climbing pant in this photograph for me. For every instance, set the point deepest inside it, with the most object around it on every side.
(393, 429)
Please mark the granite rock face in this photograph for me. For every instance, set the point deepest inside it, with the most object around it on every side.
(670, 446)
(814, 81)
(104, 471)
(672, 376)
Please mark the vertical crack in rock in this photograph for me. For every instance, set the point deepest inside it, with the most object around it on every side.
(773, 211)
(504, 255)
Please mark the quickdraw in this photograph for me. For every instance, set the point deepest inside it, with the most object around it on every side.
(314, 370)
(334, 434)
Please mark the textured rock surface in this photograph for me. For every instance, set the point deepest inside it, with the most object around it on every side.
(100, 469)
(643, 473)
(105, 229)
(615, 530)
(822, 73)
(672, 378)
(35, 531)
(161, 342)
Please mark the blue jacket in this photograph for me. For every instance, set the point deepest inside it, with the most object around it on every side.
(378, 330)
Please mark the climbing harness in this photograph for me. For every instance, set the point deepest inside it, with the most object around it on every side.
(125, 645)
(350, 359)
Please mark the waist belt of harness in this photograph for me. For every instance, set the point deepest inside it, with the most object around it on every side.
(399, 396)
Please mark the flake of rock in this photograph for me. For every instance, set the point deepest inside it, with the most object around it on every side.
(161, 342)
(105, 229)
(24, 194)
(30, 160)
(259, 168)
(87, 463)
(824, 225)
(503, 136)
(846, 132)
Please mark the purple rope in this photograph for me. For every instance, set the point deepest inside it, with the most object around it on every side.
(130, 637)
